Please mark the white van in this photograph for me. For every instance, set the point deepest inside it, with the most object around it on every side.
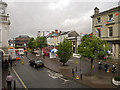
(12, 54)
(21, 51)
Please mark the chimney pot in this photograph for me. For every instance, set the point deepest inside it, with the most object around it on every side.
(96, 10)
(56, 31)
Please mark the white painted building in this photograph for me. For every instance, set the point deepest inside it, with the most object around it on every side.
(4, 29)
(53, 39)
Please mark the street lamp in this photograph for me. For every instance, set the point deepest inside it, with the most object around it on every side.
(80, 60)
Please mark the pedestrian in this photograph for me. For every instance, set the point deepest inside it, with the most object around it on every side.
(26, 53)
(91, 63)
(73, 72)
(10, 61)
(6, 63)
(104, 58)
(76, 69)
(9, 79)
(81, 76)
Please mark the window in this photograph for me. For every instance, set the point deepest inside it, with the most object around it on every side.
(110, 16)
(98, 20)
(110, 31)
(99, 33)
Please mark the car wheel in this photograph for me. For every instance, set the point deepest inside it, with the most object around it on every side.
(34, 66)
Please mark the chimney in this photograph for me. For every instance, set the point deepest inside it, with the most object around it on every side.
(56, 31)
(96, 10)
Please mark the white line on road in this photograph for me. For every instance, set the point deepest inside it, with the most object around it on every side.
(57, 75)
(19, 79)
(71, 60)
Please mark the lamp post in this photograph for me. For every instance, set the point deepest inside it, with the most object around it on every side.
(80, 61)
(45, 40)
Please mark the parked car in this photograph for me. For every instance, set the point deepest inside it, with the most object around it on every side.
(36, 63)
(76, 55)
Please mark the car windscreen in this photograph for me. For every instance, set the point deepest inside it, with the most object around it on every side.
(38, 61)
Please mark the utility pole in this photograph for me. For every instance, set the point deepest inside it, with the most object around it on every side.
(80, 61)
(13, 42)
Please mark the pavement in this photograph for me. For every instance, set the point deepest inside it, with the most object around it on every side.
(91, 78)
(15, 79)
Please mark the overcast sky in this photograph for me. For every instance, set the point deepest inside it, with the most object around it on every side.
(29, 16)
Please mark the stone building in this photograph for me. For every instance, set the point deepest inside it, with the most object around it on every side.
(4, 29)
(106, 25)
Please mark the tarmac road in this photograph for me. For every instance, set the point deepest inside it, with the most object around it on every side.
(42, 77)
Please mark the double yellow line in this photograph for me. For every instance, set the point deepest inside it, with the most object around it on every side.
(20, 79)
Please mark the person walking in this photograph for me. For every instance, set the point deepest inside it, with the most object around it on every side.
(73, 72)
(9, 79)
(91, 63)
(10, 61)
(26, 53)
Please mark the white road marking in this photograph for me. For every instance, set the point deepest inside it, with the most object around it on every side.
(57, 75)
(71, 60)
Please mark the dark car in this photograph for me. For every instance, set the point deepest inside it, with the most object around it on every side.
(36, 63)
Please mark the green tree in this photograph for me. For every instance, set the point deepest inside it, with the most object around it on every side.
(92, 47)
(32, 44)
(64, 51)
(41, 42)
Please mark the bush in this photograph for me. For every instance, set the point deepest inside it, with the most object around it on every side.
(117, 78)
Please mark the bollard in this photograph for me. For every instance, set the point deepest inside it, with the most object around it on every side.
(15, 63)
(22, 62)
(14, 85)
(81, 76)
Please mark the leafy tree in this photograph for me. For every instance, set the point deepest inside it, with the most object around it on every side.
(41, 42)
(32, 44)
(92, 47)
(64, 51)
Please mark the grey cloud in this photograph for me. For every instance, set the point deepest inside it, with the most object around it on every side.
(29, 17)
